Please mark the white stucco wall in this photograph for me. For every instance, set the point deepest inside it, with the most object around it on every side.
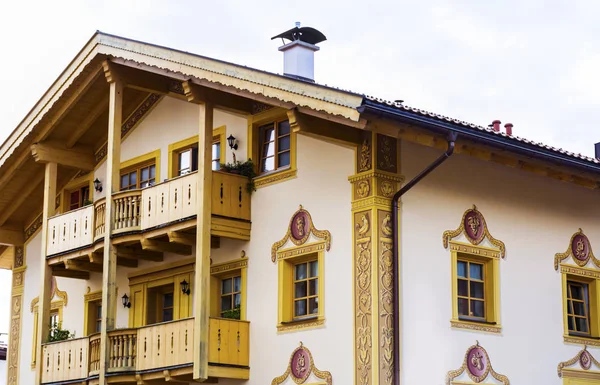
(535, 217)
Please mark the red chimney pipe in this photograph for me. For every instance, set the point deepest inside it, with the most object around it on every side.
(496, 125)
(508, 127)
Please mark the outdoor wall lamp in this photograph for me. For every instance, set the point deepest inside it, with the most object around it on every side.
(232, 142)
(125, 300)
(185, 287)
(98, 185)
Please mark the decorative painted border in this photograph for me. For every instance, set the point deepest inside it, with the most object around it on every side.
(475, 250)
(477, 379)
(301, 325)
(451, 234)
(33, 227)
(311, 229)
(289, 372)
(55, 292)
(279, 176)
(585, 360)
(310, 248)
(584, 243)
(579, 271)
(581, 341)
(16, 311)
(230, 265)
(496, 329)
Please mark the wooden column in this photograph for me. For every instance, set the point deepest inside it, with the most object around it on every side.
(45, 270)
(111, 185)
(376, 180)
(202, 284)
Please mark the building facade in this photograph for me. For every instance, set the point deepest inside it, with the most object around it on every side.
(145, 248)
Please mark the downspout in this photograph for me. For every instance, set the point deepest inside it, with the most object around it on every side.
(451, 139)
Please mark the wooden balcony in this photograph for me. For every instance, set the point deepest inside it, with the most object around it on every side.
(154, 352)
(154, 212)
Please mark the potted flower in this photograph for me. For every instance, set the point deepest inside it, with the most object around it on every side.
(246, 169)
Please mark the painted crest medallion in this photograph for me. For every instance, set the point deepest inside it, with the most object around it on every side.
(585, 360)
(477, 366)
(300, 367)
(580, 247)
(476, 361)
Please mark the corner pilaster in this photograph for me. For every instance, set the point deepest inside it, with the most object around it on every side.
(376, 180)
(16, 307)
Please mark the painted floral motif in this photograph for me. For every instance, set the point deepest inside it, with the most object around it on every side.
(300, 364)
(585, 360)
(476, 362)
(580, 247)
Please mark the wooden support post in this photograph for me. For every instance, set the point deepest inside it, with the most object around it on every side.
(202, 284)
(111, 184)
(45, 270)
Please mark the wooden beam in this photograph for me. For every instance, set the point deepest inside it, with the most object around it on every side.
(62, 272)
(11, 237)
(79, 157)
(147, 255)
(361, 124)
(324, 129)
(90, 118)
(162, 246)
(121, 261)
(199, 94)
(31, 184)
(182, 238)
(73, 264)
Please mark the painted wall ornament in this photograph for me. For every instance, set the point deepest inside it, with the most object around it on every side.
(300, 367)
(580, 249)
(364, 163)
(478, 367)
(585, 360)
(474, 227)
(299, 230)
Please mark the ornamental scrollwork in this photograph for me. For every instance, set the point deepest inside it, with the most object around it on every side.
(300, 367)
(475, 229)
(478, 367)
(580, 249)
(54, 291)
(583, 357)
(365, 156)
(299, 230)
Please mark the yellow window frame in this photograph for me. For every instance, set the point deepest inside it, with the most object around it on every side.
(491, 262)
(140, 162)
(589, 277)
(75, 184)
(286, 261)
(272, 115)
(55, 306)
(225, 270)
(89, 301)
(175, 148)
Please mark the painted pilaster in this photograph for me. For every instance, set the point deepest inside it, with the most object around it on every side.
(45, 270)
(202, 284)
(375, 182)
(14, 346)
(111, 184)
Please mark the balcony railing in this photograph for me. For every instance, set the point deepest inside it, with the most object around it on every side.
(152, 207)
(163, 345)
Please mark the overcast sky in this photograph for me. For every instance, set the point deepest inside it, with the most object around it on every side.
(535, 63)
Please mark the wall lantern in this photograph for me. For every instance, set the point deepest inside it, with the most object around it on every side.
(185, 287)
(125, 300)
(98, 185)
(232, 142)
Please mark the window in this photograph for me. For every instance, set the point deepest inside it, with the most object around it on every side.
(301, 288)
(578, 308)
(138, 177)
(160, 304)
(475, 288)
(216, 155)
(306, 289)
(183, 155)
(92, 312)
(79, 197)
(187, 160)
(275, 146)
(231, 297)
(56, 318)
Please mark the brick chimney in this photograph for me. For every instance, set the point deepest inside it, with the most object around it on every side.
(299, 53)
(496, 125)
(508, 127)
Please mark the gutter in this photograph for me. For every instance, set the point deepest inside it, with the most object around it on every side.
(494, 140)
(395, 266)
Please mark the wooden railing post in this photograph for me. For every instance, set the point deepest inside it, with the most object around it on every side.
(45, 270)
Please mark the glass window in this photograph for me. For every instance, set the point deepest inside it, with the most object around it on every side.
(471, 290)
(216, 156)
(138, 177)
(98, 316)
(306, 289)
(79, 197)
(275, 146)
(231, 297)
(578, 310)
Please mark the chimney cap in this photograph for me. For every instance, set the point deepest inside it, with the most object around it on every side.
(305, 34)
(496, 121)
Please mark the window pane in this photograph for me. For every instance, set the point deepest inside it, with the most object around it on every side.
(152, 171)
(268, 133)
(226, 286)
(167, 315)
(185, 160)
(463, 306)
(284, 159)
(124, 181)
(579, 308)
(300, 271)
(168, 300)
(284, 127)
(313, 287)
(216, 165)
(476, 271)
(463, 288)
(314, 269)
(313, 306)
(300, 308)
(461, 269)
(237, 300)
(300, 289)
(216, 150)
(99, 311)
(226, 303)
(576, 292)
(477, 289)
(133, 178)
(237, 284)
(283, 143)
(581, 325)
(477, 308)
(571, 326)
(268, 149)
(268, 164)
(570, 306)
(145, 173)
(98, 326)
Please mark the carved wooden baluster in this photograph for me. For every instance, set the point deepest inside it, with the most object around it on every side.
(136, 216)
(121, 351)
(133, 350)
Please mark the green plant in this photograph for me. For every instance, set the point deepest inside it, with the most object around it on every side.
(232, 313)
(87, 202)
(56, 333)
(246, 169)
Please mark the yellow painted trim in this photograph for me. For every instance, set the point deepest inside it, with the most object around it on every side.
(218, 134)
(285, 269)
(87, 298)
(54, 305)
(142, 159)
(577, 376)
(76, 183)
(591, 277)
(226, 270)
(163, 267)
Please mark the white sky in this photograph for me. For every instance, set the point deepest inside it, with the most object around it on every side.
(535, 63)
